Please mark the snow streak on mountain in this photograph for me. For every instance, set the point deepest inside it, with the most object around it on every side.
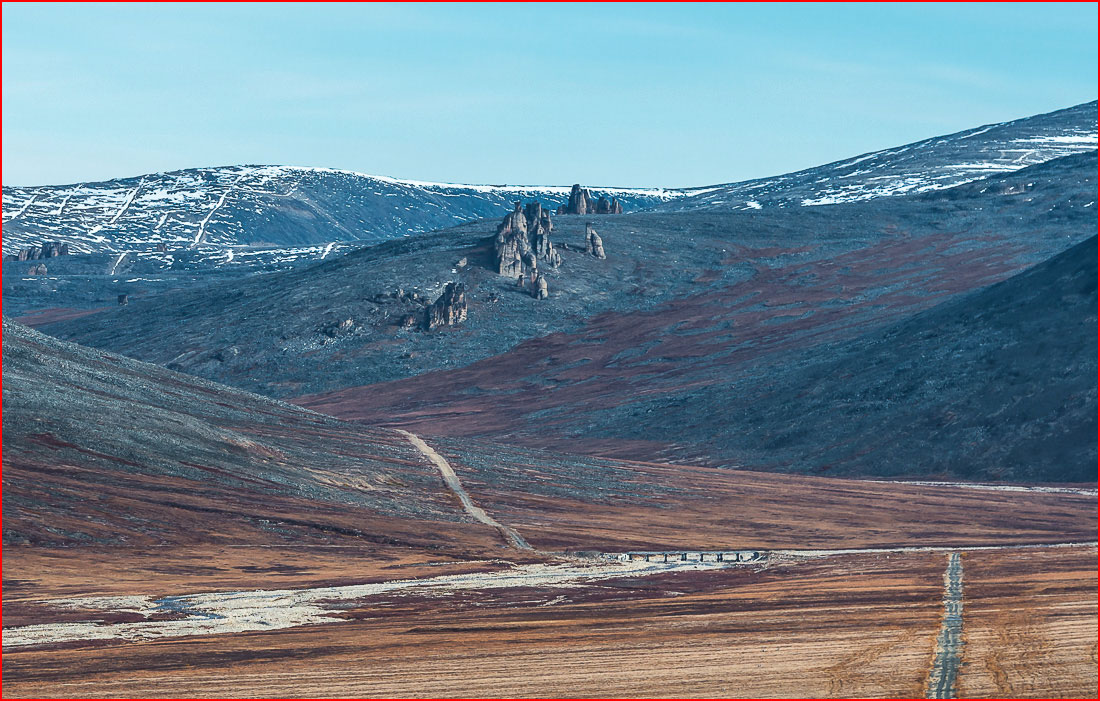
(932, 164)
(275, 215)
(260, 207)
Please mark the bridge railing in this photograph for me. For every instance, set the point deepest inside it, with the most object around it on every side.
(688, 556)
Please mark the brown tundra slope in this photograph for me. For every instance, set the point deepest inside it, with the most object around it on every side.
(100, 450)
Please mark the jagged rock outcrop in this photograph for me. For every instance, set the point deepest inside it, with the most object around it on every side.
(54, 249)
(540, 289)
(399, 295)
(606, 206)
(37, 270)
(532, 212)
(539, 229)
(449, 309)
(581, 202)
(523, 239)
(339, 328)
(512, 243)
(51, 249)
(593, 244)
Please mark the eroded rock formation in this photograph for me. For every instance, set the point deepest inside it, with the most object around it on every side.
(54, 249)
(334, 329)
(39, 269)
(605, 206)
(581, 202)
(539, 228)
(51, 249)
(593, 244)
(523, 239)
(449, 309)
(511, 243)
(540, 290)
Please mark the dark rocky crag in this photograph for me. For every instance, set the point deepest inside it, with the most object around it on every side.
(582, 202)
(522, 239)
(50, 249)
(449, 309)
(593, 244)
(511, 245)
(539, 230)
(605, 206)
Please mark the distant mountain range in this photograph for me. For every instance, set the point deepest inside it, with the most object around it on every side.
(261, 207)
(241, 215)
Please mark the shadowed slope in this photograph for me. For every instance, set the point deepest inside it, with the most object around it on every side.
(99, 449)
(1000, 384)
(715, 377)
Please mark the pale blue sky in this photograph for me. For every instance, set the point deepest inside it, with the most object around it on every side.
(671, 95)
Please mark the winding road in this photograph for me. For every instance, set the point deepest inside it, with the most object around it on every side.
(514, 539)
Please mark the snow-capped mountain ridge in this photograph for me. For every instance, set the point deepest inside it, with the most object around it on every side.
(931, 164)
(213, 212)
(260, 206)
(658, 192)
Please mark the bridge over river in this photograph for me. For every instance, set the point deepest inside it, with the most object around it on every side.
(730, 556)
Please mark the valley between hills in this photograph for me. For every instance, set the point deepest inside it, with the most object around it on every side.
(830, 434)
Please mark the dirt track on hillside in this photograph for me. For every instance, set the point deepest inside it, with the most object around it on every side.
(455, 485)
